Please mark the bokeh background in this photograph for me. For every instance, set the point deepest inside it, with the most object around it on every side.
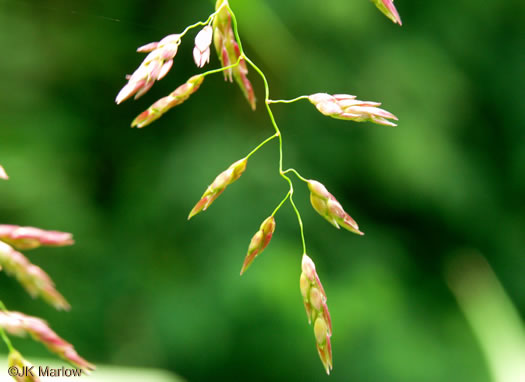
(150, 289)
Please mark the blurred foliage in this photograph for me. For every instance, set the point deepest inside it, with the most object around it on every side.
(149, 289)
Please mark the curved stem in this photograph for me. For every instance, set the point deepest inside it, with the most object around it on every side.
(274, 124)
(296, 173)
(288, 100)
(213, 71)
(200, 23)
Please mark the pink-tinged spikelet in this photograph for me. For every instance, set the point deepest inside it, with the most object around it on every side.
(31, 237)
(33, 278)
(259, 242)
(154, 67)
(388, 8)
(329, 208)
(201, 51)
(228, 51)
(20, 324)
(178, 96)
(223, 180)
(314, 299)
(346, 107)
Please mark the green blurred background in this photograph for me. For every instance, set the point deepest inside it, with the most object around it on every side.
(150, 289)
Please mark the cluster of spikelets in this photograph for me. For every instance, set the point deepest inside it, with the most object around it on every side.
(221, 28)
(38, 284)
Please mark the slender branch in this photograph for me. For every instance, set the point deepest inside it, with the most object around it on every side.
(287, 100)
(298, 218)
(261, 145)
(296, 173)
(282, 202)
(213, 71)
(200, 23)
(274, 124)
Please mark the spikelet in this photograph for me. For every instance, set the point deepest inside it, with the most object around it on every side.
(32, 278)
(346, 107)
(259, 242)
(20, 324)
(314, 299)
(223, 180)
(201, 51)
(3, 174)
(31, 237)
(178, 96)
(154, 67)
(23, 369)
(387, 7)
(228, 51)
(329, 208)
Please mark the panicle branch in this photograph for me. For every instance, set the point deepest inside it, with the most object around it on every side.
(222, 28)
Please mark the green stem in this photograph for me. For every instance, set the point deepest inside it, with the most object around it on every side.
(200, 23)
(221, 69)
(261, 145)
(3, 334)
(280, 204)
(274, 124)
(287, 100)
(296, 173)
